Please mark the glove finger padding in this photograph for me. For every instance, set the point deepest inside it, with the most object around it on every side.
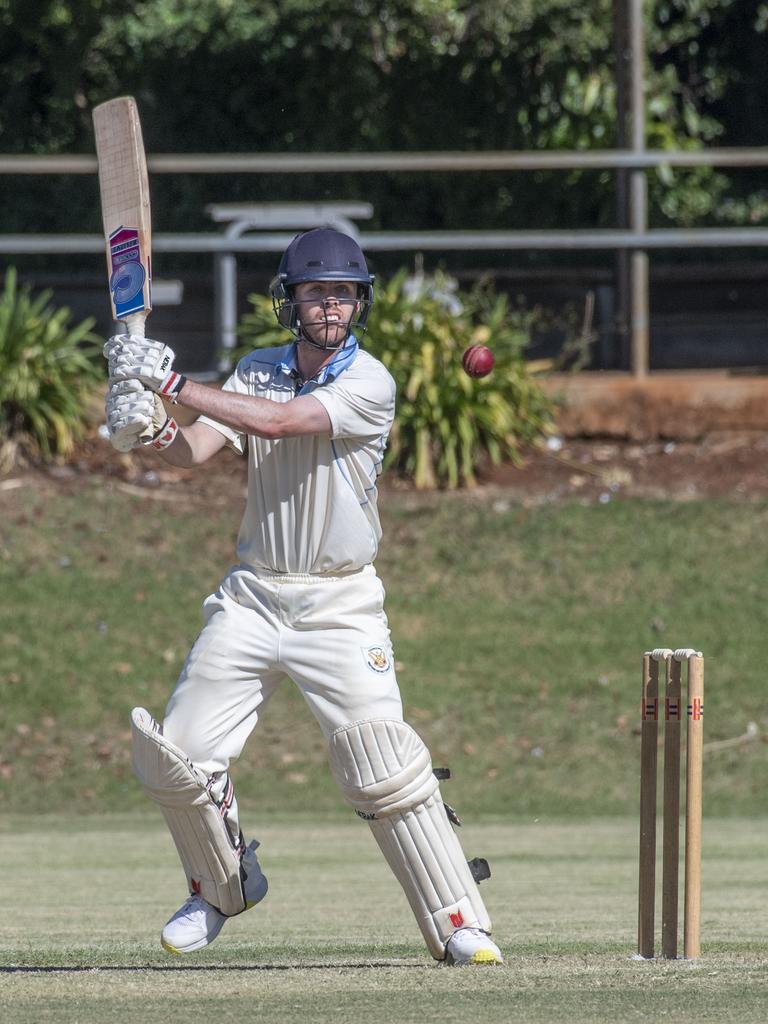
(136, 416)
(142, 358)
(130, 415)
(113, 344)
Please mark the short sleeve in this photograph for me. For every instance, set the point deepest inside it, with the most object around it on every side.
(359, 404)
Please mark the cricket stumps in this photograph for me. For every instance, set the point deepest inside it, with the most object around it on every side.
(668, 706)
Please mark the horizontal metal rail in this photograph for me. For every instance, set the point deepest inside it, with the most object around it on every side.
(638, 240)
(328, 163)
(393, 241)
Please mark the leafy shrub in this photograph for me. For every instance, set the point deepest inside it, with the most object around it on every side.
(446, 422)
(258, 327)
(48, 370)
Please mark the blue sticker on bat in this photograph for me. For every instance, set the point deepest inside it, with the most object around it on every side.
(126, 282)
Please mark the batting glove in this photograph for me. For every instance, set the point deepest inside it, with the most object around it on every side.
(136, 417)
(145, 360)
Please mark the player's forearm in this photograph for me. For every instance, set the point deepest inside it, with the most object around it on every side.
(192, 445)
(244, 413)
(248, 414)
(181, 453)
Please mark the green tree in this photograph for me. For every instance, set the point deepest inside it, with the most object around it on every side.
(214, 75)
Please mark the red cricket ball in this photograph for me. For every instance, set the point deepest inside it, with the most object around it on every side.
(478, 361)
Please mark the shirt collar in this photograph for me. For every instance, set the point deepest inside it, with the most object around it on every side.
(341, 360)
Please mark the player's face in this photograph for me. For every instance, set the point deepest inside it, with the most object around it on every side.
(325, 309)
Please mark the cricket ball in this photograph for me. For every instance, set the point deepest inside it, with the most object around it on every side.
(478, 361)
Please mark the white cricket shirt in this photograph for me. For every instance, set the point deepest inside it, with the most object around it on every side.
(311, 504)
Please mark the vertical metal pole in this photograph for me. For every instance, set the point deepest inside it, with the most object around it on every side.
(649, 735)
(226, 308)
(671, 838)
(638, 196)
(693, 807)
(619, 354)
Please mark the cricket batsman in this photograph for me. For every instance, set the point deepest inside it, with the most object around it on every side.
(303, 602)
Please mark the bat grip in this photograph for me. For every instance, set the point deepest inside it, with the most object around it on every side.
(135, 324)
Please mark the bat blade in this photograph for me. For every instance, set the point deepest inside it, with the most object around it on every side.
(125, 210)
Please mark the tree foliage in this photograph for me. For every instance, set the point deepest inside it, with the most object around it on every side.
(325, 75)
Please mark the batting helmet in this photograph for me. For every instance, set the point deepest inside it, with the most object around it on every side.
(322, 254)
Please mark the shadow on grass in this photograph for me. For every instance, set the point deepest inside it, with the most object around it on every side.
(159, 969)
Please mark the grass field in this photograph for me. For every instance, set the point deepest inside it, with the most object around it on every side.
(84, 899)
(518, 637)
(518, 634)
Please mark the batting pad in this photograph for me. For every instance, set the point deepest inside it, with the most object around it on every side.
(385, 772)
(211, 857)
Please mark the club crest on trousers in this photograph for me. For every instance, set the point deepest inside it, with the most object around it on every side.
(377, 659)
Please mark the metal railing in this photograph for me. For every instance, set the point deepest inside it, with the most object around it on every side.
(415, 162)
(631, 243)
(636, 240)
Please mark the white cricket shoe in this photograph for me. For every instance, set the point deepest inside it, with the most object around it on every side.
(471, 946)
(196, 923)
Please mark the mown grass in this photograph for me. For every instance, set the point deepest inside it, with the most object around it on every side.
(334, 940)
(518, 633)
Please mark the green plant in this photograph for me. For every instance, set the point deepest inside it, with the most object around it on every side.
(48, 370)
(446, 422)
(258, 328)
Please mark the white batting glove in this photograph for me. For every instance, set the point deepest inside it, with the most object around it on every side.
(136, 417)
(151, 362)
(128, 409)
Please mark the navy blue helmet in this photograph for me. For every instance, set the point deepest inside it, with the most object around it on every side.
(322, 254)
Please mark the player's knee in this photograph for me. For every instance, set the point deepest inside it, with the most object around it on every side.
(164, 770)
(382, 767)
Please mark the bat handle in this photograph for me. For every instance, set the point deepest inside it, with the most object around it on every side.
(135, 324)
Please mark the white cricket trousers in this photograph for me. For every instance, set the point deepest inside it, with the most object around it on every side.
(329, 634)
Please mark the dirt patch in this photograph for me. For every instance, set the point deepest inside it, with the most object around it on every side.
(727, 465)
(723, 465)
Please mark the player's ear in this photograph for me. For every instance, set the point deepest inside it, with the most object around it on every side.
(286, 313)
(282, 303)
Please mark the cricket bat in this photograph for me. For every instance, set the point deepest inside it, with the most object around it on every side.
(125, 210)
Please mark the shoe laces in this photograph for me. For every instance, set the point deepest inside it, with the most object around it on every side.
(191, 903)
